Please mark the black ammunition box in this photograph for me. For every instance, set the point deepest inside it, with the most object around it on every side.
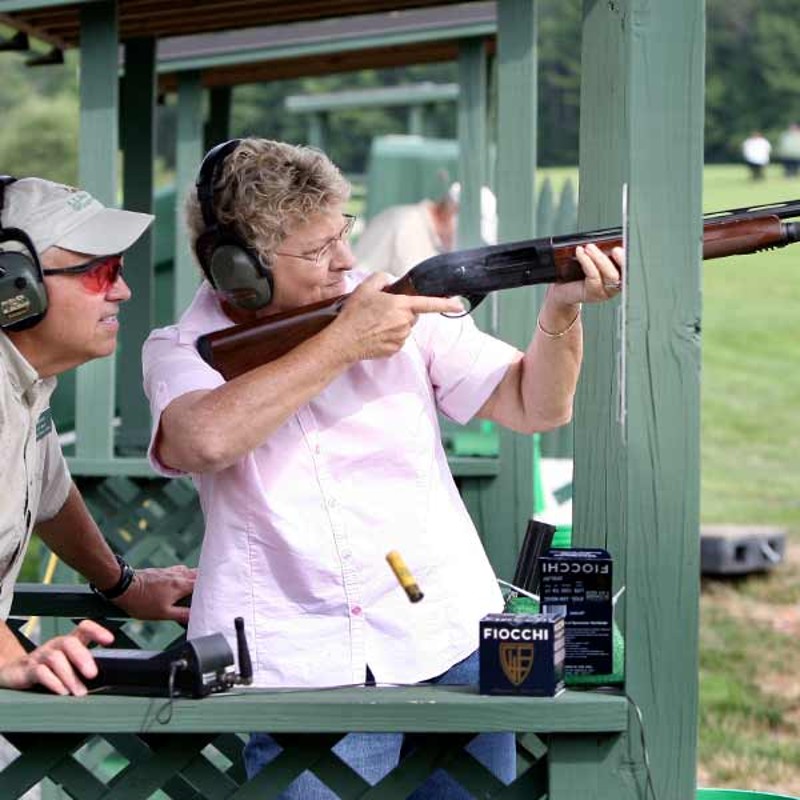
(522, 654)
(577, 584)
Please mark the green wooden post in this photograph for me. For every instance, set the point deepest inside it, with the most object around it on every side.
(599, 505)
(471, 138)
(138, 133)
(666, 77)
(637, 488)
(508, 499)
(99, 99)
(416, 120)
(219, 116)
(316, 129)
(472, 153)
(188, 153)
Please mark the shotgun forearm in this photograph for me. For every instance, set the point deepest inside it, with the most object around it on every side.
(472, 274)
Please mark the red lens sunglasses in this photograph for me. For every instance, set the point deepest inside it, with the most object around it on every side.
(97, 275)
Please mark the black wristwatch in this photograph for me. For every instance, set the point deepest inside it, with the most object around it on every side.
(126, 576)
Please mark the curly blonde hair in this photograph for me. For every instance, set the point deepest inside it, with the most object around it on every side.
(266, 188)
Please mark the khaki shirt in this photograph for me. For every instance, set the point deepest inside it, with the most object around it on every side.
(34, 479)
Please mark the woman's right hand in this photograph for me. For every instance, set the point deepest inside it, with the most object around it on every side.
(376, 324)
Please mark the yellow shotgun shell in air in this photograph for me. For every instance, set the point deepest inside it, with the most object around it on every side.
(404, 576)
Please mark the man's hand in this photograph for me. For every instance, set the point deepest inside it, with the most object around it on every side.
(59, 663)
(376, 324)
(154, 592)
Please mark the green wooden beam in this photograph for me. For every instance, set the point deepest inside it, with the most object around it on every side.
(366, 98)
(442, 709)
(460, 466)
(474, 466)
(16, 6)
(99, 100)
(225, 58)
(138, 136)
(188, 153)
(132, 467)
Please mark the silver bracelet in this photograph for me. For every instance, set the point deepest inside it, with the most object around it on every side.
(559, 334)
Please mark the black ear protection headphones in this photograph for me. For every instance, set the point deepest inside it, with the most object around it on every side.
(23, 297)
(233, 268)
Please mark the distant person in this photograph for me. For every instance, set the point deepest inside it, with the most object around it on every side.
(488, 211)
(756, 151)
(788, 150)
(402, 236)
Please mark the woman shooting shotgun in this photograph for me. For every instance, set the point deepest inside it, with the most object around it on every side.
(312, 467)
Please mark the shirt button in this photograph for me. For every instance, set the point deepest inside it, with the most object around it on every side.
(356, 611)
(317, 449)
(332, 502)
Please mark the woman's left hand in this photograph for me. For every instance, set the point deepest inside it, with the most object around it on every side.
(602, 279)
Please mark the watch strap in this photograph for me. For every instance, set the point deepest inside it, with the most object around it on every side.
(126, 576)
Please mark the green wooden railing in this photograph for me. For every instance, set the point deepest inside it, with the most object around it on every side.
(104, 746)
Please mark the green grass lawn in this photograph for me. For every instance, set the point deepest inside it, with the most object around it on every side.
(751, 384)
(750, 629)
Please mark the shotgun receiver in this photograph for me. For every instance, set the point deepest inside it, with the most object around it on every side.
(472, 274)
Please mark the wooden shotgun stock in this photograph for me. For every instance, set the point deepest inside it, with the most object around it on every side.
(472, 274)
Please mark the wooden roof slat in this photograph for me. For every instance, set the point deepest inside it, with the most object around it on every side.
(224, 18)
(309, 66)
(34, 32)
(161, 18)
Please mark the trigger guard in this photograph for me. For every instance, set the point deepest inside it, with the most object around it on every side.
(474, 301)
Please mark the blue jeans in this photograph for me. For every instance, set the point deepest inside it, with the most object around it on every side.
(374, 755)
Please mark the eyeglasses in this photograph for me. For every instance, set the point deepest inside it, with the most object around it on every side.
(97, 275)
(341, 238)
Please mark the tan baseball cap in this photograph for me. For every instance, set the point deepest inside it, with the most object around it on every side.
(53, 214)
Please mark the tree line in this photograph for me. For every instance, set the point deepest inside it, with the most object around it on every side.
(752, 83)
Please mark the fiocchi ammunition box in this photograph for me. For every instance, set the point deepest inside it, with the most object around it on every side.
(522, 654)
(578, 584)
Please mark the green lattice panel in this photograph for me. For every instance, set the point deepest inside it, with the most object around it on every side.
(152, 522)
(208, 767)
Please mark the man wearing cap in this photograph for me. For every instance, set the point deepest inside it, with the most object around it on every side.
(69, 299)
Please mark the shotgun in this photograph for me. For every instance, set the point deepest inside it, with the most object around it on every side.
(472, 274)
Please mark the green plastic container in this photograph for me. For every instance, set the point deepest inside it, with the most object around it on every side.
(740, 794)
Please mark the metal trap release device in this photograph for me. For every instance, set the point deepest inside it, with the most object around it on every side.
(196, 668)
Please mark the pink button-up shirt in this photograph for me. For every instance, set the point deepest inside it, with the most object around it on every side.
(297, 530)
